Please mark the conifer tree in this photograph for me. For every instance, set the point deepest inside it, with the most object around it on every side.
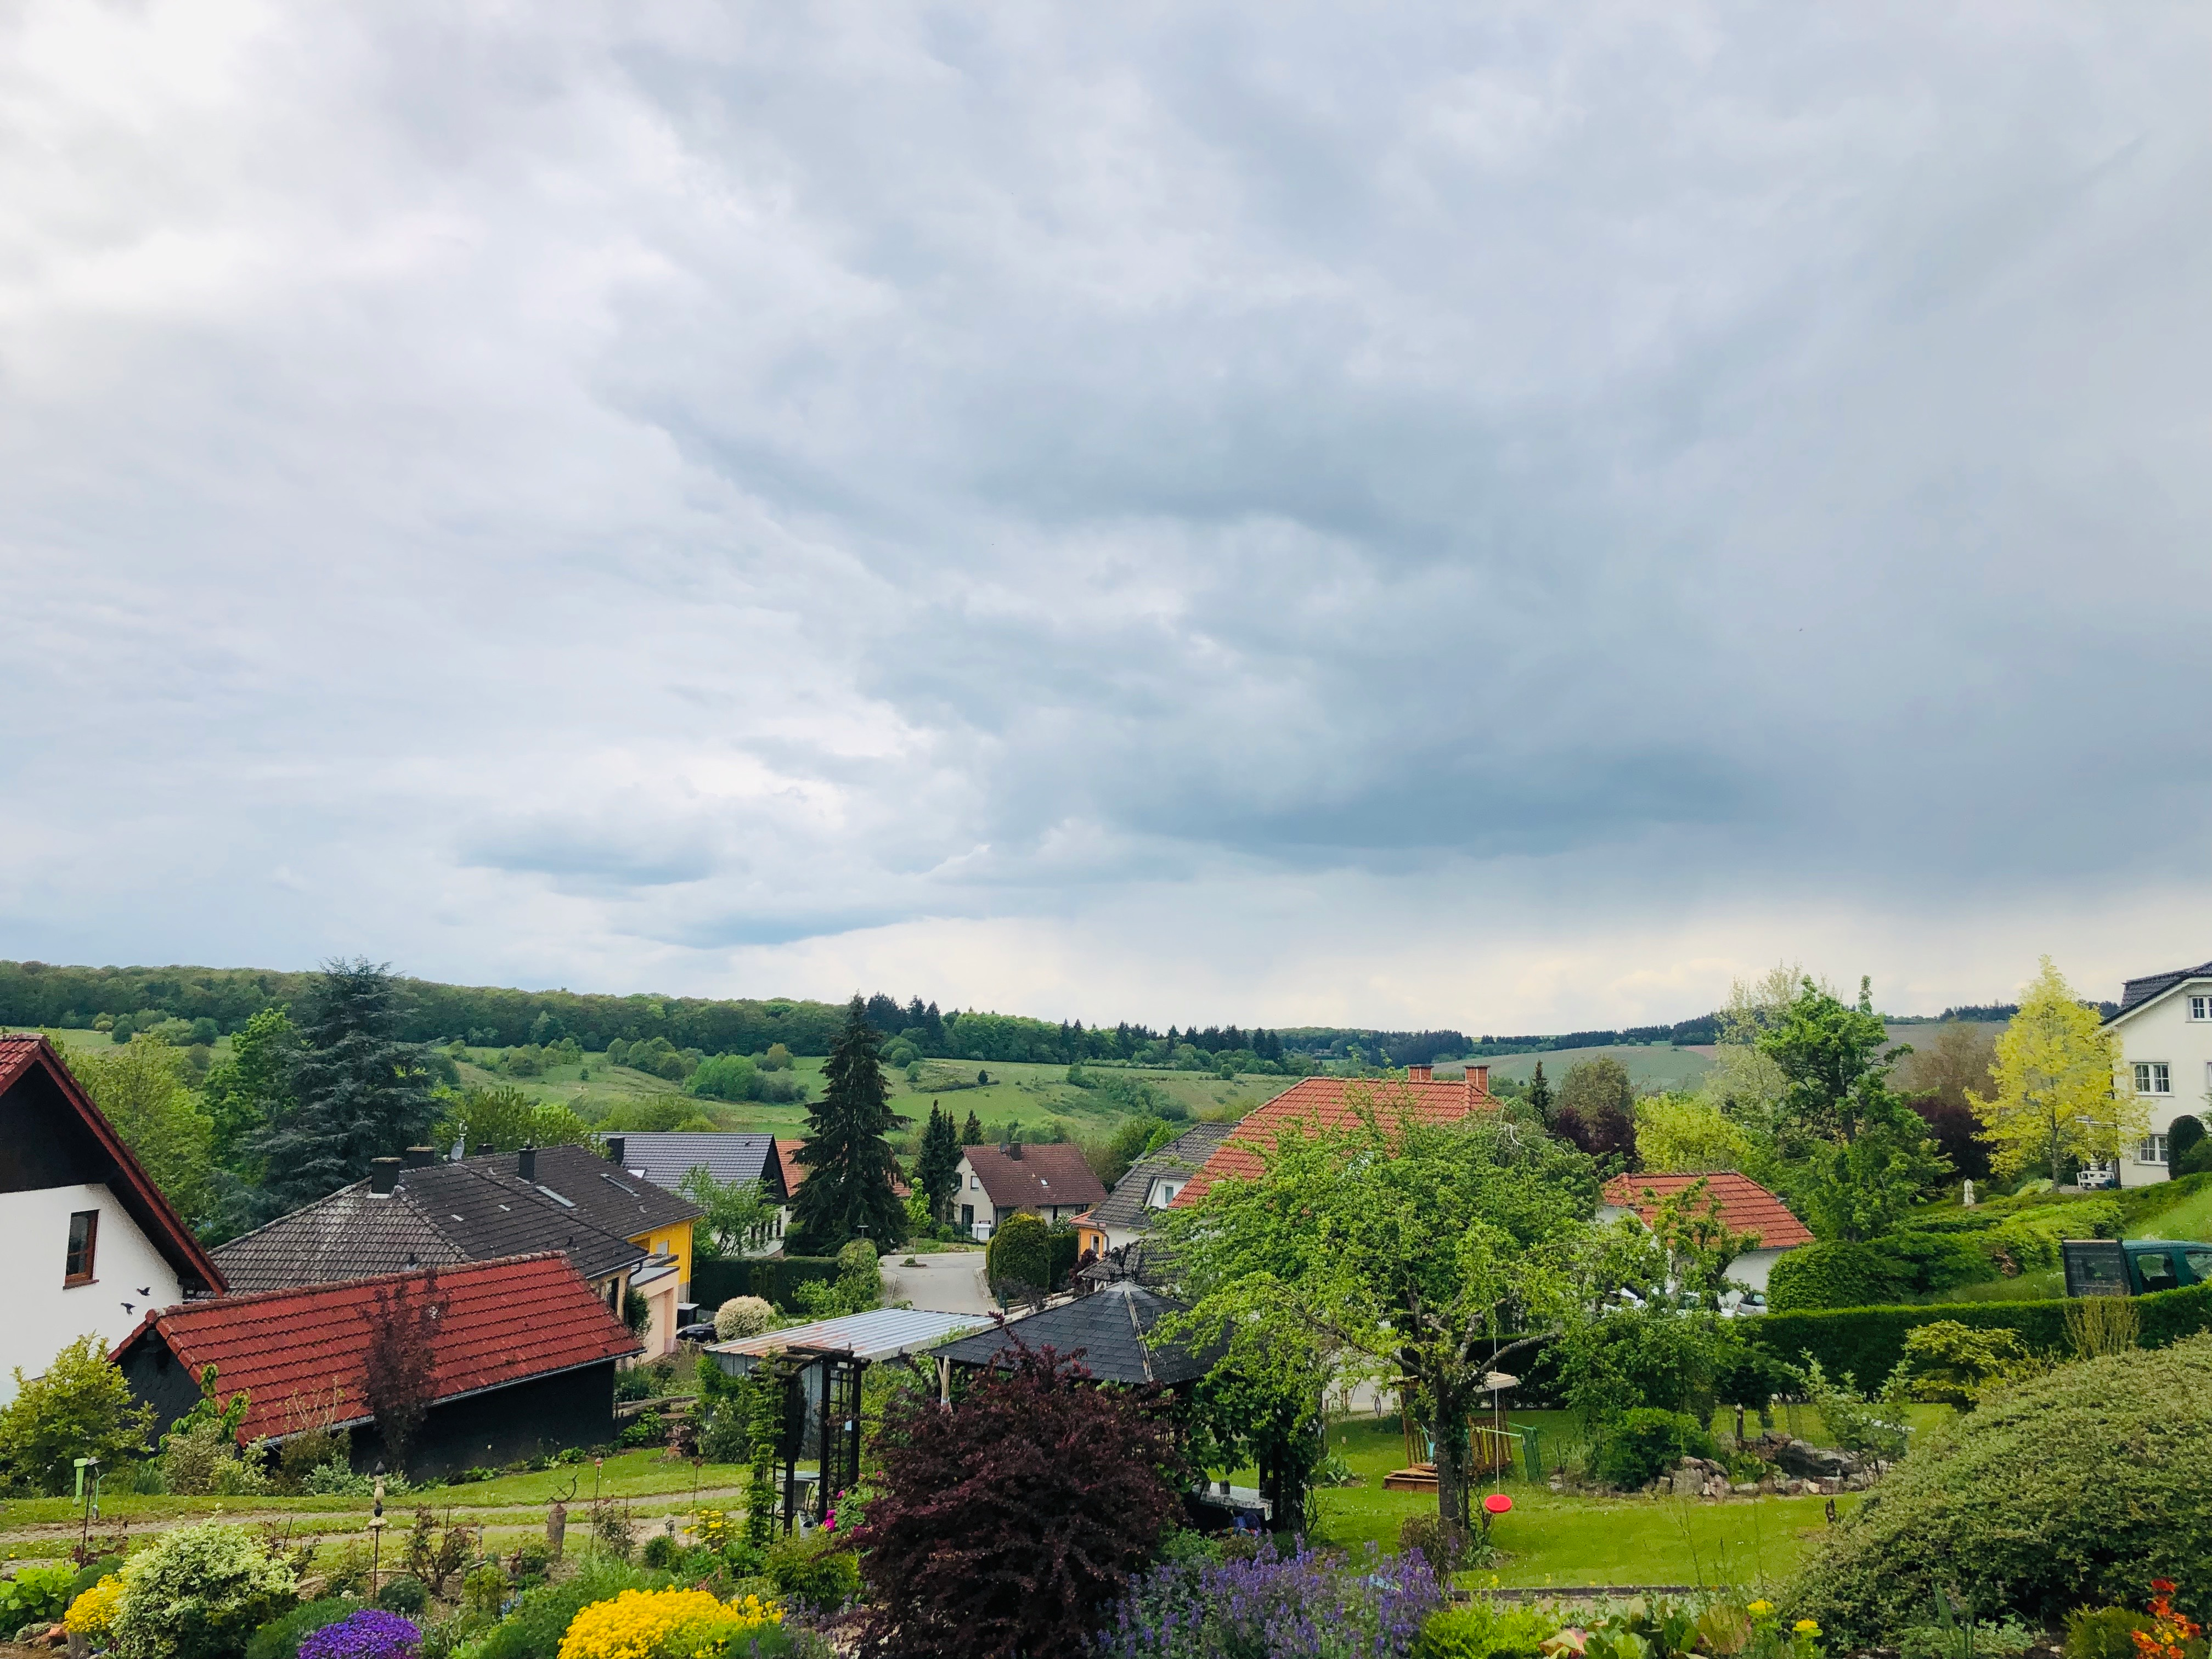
(848, 1159)
(1539, 1097)
(971, 1132)
(937, 1171)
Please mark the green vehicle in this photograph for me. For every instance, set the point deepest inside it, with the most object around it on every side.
(2133, 1267)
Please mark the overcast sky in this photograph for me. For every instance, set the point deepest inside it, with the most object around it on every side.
(1487, 516)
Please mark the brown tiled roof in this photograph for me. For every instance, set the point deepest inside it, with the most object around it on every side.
(1321, 1103)
(505, 1322)
(794, 1172)
(23, 1057)
(1746, 1206)
(1041, 1175)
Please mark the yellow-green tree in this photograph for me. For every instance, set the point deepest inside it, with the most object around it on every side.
(2056, 1097)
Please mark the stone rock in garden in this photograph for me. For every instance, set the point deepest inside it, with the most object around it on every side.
(1744, 1488)
(1689, 1483)
(1815, 1462)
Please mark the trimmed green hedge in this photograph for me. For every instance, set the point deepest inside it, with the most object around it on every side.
(776, 1277)
(1868, 1342)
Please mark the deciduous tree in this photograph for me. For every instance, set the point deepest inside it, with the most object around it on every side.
(738, 1213)
(2057, 1092)
(142, 1089)
(1410, 1248)
(400, 1369)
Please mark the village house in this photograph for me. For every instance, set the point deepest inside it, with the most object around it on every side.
(524, 1351)
(665, 1157)
(1052, 1183)
(622, 1233)
(1126, 1214)
(1745, 1207)
(92, 1241)
(2164, 1031)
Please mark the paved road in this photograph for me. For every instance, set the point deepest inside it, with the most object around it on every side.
(949, 1283)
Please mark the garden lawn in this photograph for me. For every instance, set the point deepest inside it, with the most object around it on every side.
(1559, 1539)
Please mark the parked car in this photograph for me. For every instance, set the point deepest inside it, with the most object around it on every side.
(2133, 1267)
(2098, 1180)
(701, 1331)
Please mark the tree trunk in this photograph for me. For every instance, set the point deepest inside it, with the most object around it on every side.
(1454, 1487)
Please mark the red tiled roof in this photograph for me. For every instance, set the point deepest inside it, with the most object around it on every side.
(1746, 1206)
(142, 1199)
(505, 1322)
(794, 1172)
(1042, 1175)
(1327, 1103)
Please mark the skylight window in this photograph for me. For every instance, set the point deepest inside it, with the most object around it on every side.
(565, 1204)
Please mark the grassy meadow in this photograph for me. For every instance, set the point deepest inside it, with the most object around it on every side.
(1650, 1066)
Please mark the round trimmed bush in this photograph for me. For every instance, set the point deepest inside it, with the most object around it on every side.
(404, 1594)
(1830, 1275)
(2080, 1486)
(1020, 1254)
(198, 1592)
(744, 1316)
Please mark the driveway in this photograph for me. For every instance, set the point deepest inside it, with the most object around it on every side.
(949, 1283)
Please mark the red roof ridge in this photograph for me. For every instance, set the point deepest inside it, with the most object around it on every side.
(1325, 1103)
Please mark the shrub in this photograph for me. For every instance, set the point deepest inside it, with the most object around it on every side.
(404, 1593)
(1300, 1606)
(1831, 1275)
(542, 1617)
(1011, 1522)
(280, 1637)
(79, 1406)
(665, 1624)
(34, 1596)
(369, 1633)
(196, 1592)
(312, 1449)
(1644, 1443)
(743, 1315)
(92, 1614)
(2093, 1479)
(2104, 1632)
(816, 1571)
(1483, 1628)
(1020, 1256)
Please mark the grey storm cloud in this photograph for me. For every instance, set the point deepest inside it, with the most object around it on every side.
(617, 493)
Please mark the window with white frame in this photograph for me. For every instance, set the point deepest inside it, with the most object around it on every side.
(2152, 1151)
(2200, 1008)
(2154, 1077)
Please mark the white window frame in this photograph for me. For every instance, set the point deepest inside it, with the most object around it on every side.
(2152, 1150)
(2153, 1078)
(2200, 1008)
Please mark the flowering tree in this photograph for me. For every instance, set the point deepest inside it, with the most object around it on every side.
(1008, 1523)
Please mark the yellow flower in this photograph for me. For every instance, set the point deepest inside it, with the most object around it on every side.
(1806, 1627)
(671, 1624)
(93, 1612)
(1759, 1609)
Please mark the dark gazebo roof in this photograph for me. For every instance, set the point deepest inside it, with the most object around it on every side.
(1108, 1327)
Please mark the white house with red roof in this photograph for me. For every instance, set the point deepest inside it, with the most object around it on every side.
(1317, 1104)
(90, 1241)
(1052, 1183)
(1746, 1207)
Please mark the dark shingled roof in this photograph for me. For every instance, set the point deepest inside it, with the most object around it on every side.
(1108, 1326)
(2138, 991)
(665, 1157)
(1044, 1174)
(1183, 1156)
(438, 1215)
(610, 1197)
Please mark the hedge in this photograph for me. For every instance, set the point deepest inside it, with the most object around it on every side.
(1868, 1342)
(714, 1280)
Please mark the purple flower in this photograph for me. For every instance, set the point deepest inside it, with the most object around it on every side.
(1304, 1605)
(372, 1633)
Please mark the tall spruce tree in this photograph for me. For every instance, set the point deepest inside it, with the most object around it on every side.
(1539, 1097)
(358, 1092)
(937, 1171)
(849, 1164)
(971, 1132)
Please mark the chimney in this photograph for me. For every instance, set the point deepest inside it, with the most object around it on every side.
(422, 1158)
(484, 1148)
(1013, 1149)
(383, 1176)
(617, 1145)
(526, 1164)
(1478, 1082)
(1417, 1074)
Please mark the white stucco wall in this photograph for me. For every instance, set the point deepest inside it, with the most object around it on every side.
(2165, 1034)
(42, 1315)
(1751, 1269)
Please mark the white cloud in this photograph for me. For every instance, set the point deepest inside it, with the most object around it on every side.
(1501, 519)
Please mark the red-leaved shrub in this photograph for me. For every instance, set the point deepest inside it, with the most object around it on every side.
(1009, 1524)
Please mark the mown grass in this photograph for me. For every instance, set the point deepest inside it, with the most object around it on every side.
(1559, 1539)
